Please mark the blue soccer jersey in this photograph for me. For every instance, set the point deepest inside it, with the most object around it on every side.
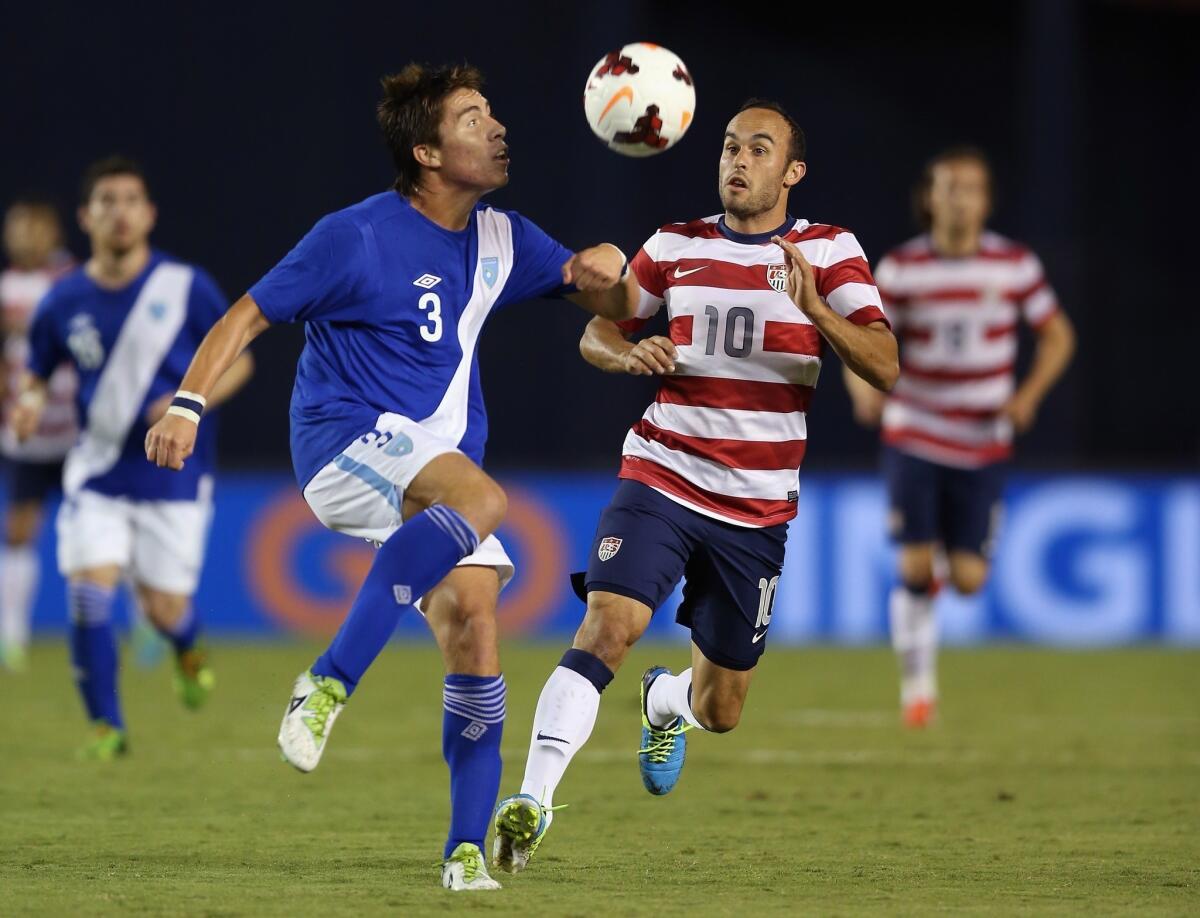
(129, 347)
(393, 306)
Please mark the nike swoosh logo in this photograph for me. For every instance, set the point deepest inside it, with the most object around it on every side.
(553, 739)
(625, 92)
(679, 273)
(758, 637)
(296, 702)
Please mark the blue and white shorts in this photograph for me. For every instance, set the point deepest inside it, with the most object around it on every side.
(361, 492)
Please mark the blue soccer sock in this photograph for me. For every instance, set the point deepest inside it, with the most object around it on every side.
(183, 634)
(472, 724)
(408, 565)
(94, 650)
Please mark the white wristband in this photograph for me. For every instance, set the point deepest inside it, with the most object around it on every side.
(184, 413)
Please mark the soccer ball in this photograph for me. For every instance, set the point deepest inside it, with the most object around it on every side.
(639, 100)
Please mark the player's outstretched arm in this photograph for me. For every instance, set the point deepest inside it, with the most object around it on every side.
(1055, 347)
(596, 274)
(172, 439)
(605, 346)
(870, 351)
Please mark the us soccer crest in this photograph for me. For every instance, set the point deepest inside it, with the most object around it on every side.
(490, 268)
(609, 546)
(777, 277)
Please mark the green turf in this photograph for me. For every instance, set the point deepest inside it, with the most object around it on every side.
(1055, 783)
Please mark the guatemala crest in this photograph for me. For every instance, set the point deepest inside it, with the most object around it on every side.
(490, 267)
(609, 546)
(777, 277)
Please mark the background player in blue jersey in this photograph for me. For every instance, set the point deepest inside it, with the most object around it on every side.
(128, 320)
(387, 418)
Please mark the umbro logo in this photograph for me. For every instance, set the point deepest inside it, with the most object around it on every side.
(296, 702)
(679, 273)
(553, 739)
(426, 281)
(758, 637)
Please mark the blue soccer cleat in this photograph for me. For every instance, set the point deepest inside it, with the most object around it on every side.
(660, 760)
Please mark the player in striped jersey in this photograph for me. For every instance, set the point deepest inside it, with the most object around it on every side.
(955, 295)
(709, 474)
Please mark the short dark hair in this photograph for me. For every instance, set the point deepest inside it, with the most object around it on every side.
(798, 146)
(110, 165)
(411, 110)
(950, 155)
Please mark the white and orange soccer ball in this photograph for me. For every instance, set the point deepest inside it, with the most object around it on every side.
(639, 100)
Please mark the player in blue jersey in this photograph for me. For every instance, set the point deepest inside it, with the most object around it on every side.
(128, 321)
(387, 417)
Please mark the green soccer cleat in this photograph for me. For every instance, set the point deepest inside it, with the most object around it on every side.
(315, 704)
(521, 822)
(194, 679)
(108, 744)
(465, 870)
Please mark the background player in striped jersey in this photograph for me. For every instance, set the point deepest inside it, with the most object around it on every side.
(33, 244)
(710, 472)
(955, 295)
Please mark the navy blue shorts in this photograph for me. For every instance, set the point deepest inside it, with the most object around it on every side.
(32, 481)
(959, 508)
(645, 542)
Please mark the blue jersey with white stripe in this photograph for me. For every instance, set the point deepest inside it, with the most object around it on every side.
(129, 347)
(393, 305)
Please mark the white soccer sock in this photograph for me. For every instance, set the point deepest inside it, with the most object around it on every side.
(670, 697)
(18, 583)
(566, 712)
(915, 639)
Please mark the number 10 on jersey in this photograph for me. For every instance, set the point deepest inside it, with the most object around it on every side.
(431, 304)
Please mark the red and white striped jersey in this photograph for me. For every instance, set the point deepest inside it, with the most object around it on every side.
(20, 292)
(726, 433)
(956, 319)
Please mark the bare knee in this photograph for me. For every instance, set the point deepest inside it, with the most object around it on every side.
(916, 566)
(482, 503)
(968, 573)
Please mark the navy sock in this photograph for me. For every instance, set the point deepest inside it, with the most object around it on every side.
(94, 651)
(472, 724)
(408, 565)
(590, 666)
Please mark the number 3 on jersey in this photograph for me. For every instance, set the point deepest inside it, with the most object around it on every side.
(433, 303)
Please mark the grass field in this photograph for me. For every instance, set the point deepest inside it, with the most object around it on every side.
(1056, 783)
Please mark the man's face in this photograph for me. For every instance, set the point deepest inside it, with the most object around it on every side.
(471, 151)
(119, 215)
(959, 196)
(31, 234)
(755, 169)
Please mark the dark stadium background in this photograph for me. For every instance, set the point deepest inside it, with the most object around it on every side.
(254, 120)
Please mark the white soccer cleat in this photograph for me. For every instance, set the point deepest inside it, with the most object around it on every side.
(521, 822)
(315, 704)
(465, 870)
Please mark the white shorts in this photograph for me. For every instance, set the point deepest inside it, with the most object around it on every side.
(361, 492)
(159, 543)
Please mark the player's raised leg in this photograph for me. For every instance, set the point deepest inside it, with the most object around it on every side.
(461, 612)
(173, 615)
(462, 505)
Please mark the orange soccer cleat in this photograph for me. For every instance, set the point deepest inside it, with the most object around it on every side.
(919, 714)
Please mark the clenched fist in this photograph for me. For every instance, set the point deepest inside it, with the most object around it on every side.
(171, 441)
(650, 356)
